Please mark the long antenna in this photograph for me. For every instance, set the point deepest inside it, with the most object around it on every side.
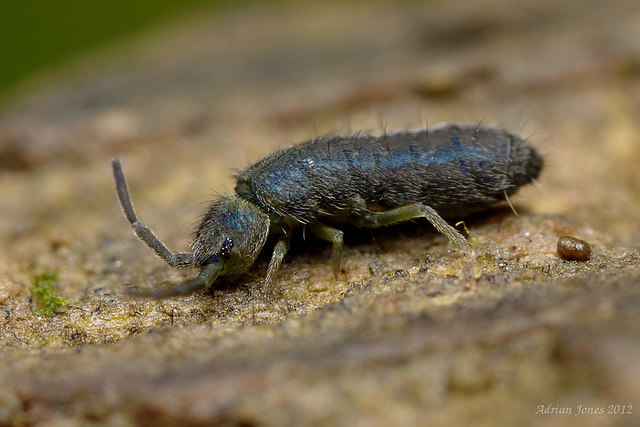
(144, 233)
(203, 280)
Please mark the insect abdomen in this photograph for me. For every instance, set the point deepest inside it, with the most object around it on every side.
(453, 169)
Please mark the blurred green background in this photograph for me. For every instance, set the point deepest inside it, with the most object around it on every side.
(36, 35)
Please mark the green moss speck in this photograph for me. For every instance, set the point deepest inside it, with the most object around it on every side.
(45, 295)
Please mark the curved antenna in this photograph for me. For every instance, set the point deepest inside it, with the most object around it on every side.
(203, 280)
(144, 233)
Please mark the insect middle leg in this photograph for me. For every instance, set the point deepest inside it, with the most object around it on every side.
(409, 212)
(333, 235)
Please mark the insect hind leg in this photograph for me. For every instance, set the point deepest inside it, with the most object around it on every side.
(413, 211)
(144, 233)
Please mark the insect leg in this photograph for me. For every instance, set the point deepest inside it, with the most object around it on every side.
(279, 251)
(416, 210)
(144, 233)
(334, 236)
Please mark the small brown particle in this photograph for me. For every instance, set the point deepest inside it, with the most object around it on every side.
(573, 249)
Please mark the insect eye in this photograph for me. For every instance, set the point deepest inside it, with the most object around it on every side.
(225, 249)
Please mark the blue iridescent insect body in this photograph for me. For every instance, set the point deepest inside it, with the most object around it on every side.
(370, 181)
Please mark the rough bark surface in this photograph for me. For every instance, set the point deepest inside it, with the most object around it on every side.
(408, 335)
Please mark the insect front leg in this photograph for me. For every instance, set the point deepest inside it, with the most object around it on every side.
(409, 212)
(279, 251)
(335, 237)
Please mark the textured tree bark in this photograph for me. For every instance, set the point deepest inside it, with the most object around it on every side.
(409, 334)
